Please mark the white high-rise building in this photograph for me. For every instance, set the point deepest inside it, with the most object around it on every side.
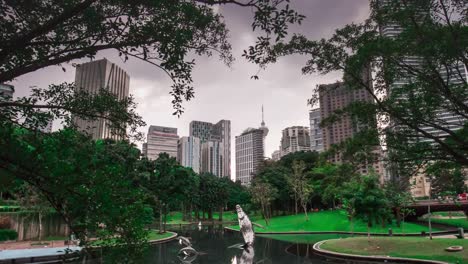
(189, 151)
(92, 77)
(159, 140)
(295, 139)
(250, 152)
(316, 135)
(215, 140)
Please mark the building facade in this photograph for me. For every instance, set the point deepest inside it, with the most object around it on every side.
(250, 154)
(316, 135)
(92, 77)
(6, 91)
(161, 140)
(188, 153)
(211, 158)
(294, 139)
(276, 155)
(335, 97)
(215, 140)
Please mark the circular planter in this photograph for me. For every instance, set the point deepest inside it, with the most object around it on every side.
(454, 249)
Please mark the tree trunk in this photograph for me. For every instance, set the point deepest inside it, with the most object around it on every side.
(221, 209)
(210, 214)
(160, 219)
(184, 213)
(368, 233)
(295, 204)
(398, 216)
(304, 206)
(40, 226)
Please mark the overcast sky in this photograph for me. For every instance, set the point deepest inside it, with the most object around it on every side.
(229, 93)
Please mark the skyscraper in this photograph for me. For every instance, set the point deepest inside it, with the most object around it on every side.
(316, 135)
(96, 75)
(159, 140)
(6, 91)
(295, 139)
(250, 152)
(335, 97)
(215, 140)
(188, 153)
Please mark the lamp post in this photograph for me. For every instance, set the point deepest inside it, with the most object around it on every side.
(429, 211)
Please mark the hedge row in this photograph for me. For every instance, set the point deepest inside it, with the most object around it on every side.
(8, 234)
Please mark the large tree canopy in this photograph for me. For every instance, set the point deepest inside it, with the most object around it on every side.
(37, 34)
(417, 52)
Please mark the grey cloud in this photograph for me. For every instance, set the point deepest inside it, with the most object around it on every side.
(229, 93)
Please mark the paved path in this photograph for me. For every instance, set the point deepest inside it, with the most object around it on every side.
(27, 244)
(35, 252)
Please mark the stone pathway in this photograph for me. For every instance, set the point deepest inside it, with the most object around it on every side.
(27, 244)
(35, 252)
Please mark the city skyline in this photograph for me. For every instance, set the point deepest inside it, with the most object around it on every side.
(230, 93)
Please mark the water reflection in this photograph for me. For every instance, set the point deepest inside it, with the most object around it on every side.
(215, 245)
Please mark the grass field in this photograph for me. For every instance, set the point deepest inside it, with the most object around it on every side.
(153, 235)
(459, 222)
(305, 239)
(447, 214)
(329, 221)
(407, 247)
(175, 218)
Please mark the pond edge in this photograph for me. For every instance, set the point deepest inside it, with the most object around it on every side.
(337, 255)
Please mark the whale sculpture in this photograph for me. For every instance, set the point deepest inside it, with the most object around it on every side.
(184, 241)
(245, 227)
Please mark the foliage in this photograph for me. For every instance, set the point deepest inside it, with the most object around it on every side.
(161, 33)
(89, 183)
(262, 194)
(416, 74)
(8, 234)
(447, 179)
(300, 185)
(366, 199)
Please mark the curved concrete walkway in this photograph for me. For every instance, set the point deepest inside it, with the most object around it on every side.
(345, 256)
(55, 249)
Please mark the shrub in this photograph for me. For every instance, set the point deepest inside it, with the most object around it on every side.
(8, 234)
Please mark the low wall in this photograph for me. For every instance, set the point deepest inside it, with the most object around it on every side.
(27, 225)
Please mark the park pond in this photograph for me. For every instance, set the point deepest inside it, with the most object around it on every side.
(215, 246)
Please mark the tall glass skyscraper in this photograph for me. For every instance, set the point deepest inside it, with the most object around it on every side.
(96, 75)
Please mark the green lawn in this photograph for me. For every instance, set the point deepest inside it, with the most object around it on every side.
(153, 235)
(407, 247)
(329, 221)
(304, 239)
(447, 214)
(460, 222)
(175, 218)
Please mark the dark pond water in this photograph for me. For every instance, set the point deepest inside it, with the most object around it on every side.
(214, 243)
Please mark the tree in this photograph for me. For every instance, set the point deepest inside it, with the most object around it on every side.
(447, 179)
(262, 194)
(329, 181)
(366, 199)
(89, 183)
(416, 74)
(275, 174)
(300, 185)
(399, 199)
(161, 33)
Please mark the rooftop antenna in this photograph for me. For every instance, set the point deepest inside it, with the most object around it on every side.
(263, 120)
